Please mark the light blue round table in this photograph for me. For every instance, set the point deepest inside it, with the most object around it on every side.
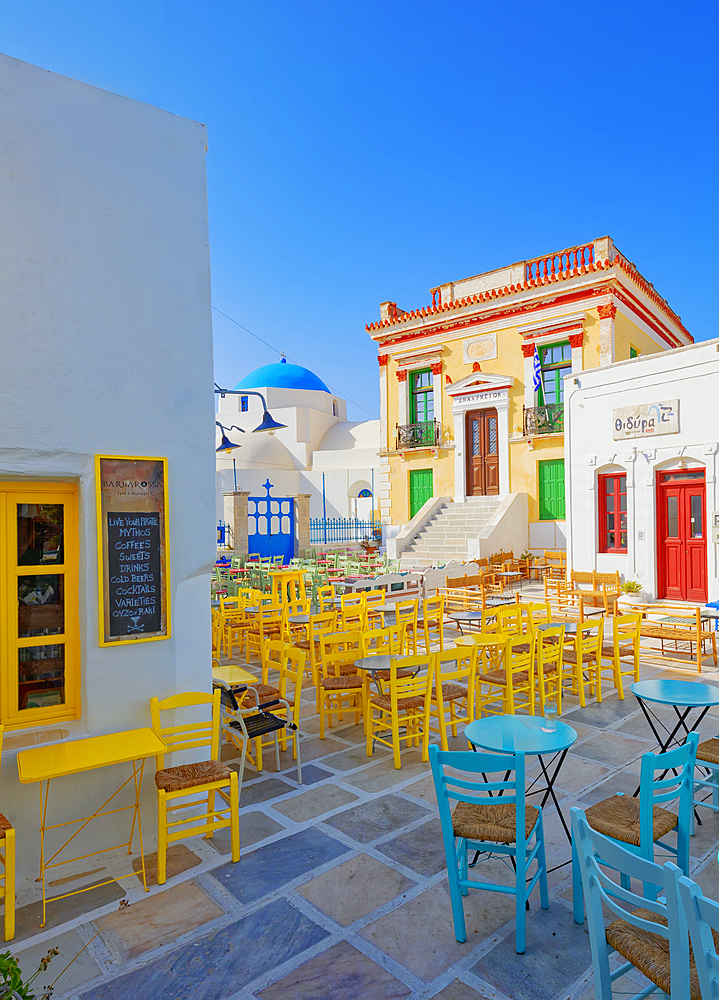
(524, 734)
(682, 696)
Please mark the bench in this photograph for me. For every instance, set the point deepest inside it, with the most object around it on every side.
(674, 624)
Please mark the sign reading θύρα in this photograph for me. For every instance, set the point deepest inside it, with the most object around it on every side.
(646, 420)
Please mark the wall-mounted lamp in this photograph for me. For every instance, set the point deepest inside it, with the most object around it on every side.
(225, 443)
(268, 423)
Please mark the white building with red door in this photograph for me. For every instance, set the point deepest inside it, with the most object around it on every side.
(641, 441)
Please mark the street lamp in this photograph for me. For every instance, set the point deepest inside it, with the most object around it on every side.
(225, 443)
(268, 423)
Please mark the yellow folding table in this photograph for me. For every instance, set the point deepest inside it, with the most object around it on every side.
(42, 764)
(234, 676)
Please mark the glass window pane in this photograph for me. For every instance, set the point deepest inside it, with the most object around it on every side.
(475, 437)
(673, 517)
(41, 676)
(610, 539)
(610, 501)
(550, 387)
(623, 540)
(696, 525)
(492, 435)
(41, 605)
(40, 534)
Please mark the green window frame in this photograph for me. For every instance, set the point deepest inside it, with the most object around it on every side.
(555, 362)
(550, 476)
(421, 396)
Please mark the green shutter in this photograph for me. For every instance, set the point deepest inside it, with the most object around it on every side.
(551, 490)
(420, 489)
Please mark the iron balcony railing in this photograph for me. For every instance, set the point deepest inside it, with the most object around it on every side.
(343, 529)
(543, 419)
(425, 434)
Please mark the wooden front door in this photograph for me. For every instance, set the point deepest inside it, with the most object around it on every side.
(481, 438)
(682, 535)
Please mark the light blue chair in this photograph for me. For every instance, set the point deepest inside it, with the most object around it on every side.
(640, 823)
(490, 816)
(702, 917)
(651, 935)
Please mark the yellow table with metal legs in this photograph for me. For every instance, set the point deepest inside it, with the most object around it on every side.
(42, 764)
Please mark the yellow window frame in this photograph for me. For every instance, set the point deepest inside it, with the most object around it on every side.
(12, 493)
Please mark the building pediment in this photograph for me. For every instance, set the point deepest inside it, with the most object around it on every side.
(479, 382)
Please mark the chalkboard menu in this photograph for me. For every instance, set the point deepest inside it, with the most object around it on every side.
(132, 541)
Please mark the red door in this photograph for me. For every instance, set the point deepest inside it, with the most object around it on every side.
(682, 555)
(482, 446)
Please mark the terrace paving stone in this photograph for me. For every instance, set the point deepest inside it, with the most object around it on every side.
(620, 781)
(83, 968)
(611, 710)
(353, 734)
(179, 859)
(28, 918)
(423, 789)
(420, 849)
(612, 749)
(217, 965)
(459, 991)
(377, 817)
(254, 827)
(274, 865)
(340, 973)
(355, 888)
(355, 757)
(577, 773)
(311, 774)
(159, 919)
(419, 935)
(384, 774)
(556, 956)
(314, 803)
(262, 791)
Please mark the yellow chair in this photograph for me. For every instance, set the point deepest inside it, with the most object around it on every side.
(508, 677)
(514, 619)
(208, 778)
(406, 704)
(266, 624)
(7, 858)
(320, 624)
(374, 599)
(550, 649)
(626, 636)
(453, 690)
(582, 666)
(291, 672)
(340, 686)
(326, 598)
(406, 612)
(292, 632)
(432, 621)
(540, 612)
(353, 613)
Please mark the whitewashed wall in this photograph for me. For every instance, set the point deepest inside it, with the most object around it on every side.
(689, 374)
(107, 348)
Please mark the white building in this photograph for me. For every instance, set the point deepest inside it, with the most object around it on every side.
(319, 452)
(641, 439)
(107, 350)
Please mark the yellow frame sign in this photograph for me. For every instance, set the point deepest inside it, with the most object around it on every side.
(133, 549)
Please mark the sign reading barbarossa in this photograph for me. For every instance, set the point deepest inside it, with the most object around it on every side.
(646, 420)
(132, 537)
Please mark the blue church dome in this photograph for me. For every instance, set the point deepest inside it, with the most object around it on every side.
(282, 376)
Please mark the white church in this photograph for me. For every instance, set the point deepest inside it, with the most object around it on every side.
(318, 451)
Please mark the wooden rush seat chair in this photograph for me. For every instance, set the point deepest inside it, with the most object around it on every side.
(582, 665)
(453, 690)
(702, 919)
(266, 624)
(340, 687)
(353, 613)
(206, 779)
(550, 650)
(406, 612)
(405, 704)
(626, 637)
(511, 680)
(319, 624)
(7, 858)
(432, 621)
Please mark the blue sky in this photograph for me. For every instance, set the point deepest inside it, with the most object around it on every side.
(367, 151)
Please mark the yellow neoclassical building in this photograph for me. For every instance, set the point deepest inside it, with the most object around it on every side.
(471, 385)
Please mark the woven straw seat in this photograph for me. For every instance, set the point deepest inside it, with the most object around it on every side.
(304, 644)
(500, 677)
(709, 751)
(265, 692)
(491, 821)
(451, 691)
(172, 779)
(521, 648)
(670, 632)
(347, 669)
(570, 657)
(341, 683)
(403, 704)
(5, 825)
(608, 650)
(649, 952)
(618, 817)
(385, 675)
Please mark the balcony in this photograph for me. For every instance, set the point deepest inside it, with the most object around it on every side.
(426, 434)
(543, 420)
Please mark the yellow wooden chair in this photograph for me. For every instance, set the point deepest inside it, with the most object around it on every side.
(7, 858)
(510, 679)
(319, 624)
(453, 689)
(406, 612)
(292, 632)
(326, 598)
(340, 686)
(266, 624)
(582, 665)
(206, 779)
(626, 637)
(291, 674)
(432, 621)
(353, 613)
(406, 704)
(550, 649)
(374, 599)
(387, 641)
(514, 619)
(540, 613)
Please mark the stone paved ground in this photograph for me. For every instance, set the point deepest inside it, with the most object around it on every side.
(341, 891)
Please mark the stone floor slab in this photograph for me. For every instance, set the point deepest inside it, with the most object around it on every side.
(340, 973)
(372, 819)
(311, 774)
(262, 791)
(577, 773)
(356, 757)
(254, 827)
(458, 991)
(314, 803)
(274, 865)
(423, 789)
(222, 962)
(557, 955)
(611, 710)
(420, 933)
(354, 889)
(28, 918)
(315, 748)
(179, 859)
(420, 849)
(611, 749)
(620, 781)
(384, 774)
(159, 919)
(70, 944)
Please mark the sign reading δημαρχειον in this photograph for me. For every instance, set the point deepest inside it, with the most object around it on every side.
(646, 420)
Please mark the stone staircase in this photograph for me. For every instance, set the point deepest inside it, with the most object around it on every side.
(445, 535)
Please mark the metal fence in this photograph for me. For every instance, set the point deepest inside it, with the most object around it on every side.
(342, 529)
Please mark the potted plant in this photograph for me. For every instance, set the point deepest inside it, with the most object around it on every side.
(631, 594)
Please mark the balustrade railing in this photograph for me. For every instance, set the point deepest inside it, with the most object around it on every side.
(324, 530)
(425, 434)
(563, 262)
(547, 419)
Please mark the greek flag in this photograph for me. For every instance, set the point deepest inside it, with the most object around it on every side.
(537, 380)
